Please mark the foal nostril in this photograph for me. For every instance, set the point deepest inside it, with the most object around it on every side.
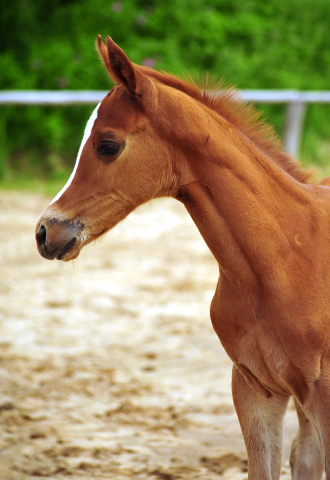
(41, 235)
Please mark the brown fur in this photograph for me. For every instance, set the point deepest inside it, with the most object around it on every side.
(227, 103)
(267, 227)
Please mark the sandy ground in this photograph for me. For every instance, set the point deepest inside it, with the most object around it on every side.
(110, 368)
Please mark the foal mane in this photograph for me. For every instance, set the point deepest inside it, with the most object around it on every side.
(227, 102)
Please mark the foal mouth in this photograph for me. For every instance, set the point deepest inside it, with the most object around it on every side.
(64, 250)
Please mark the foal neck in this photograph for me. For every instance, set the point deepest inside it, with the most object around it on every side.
(247, 208)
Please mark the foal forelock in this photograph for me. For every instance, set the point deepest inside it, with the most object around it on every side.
(87, 132)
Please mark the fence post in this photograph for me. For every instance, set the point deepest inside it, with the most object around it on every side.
(293, 127)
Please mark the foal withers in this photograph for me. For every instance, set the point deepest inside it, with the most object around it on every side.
(269, 229)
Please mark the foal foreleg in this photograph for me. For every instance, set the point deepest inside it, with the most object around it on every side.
(261, 421)
(306, 460)
(317, 408)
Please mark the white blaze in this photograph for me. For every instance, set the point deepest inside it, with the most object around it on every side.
(87, 133)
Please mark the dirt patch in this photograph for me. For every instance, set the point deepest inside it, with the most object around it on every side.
(110, 367)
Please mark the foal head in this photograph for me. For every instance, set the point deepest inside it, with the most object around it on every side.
(122, 163)
(152, 134)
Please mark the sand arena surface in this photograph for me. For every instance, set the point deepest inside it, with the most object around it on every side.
(110, 368)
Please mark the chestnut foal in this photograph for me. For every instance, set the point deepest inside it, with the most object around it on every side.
(154, 135)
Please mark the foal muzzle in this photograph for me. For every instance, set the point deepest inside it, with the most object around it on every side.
(60, 239)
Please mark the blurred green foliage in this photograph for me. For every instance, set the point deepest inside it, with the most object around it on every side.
(251, 43)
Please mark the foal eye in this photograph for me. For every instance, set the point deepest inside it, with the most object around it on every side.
(108, 149)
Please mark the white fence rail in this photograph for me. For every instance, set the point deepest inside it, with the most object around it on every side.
(296, 104)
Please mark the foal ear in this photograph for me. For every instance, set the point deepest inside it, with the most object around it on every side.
(120, 68)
